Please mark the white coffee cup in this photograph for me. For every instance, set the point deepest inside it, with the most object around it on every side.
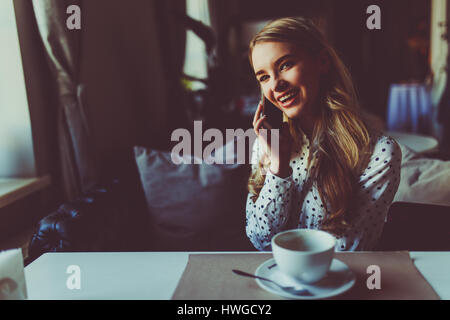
(304, 254)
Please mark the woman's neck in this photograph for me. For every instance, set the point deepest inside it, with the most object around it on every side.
(307, 125)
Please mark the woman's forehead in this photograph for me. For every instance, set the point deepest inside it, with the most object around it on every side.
(266, 54)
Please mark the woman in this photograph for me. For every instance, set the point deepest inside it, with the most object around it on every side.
(332, 171)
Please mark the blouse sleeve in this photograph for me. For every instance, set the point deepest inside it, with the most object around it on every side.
(376, 189)
(269, 213)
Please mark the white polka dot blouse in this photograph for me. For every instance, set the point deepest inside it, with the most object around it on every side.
(296, 197)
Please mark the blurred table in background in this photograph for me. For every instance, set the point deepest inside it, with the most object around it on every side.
(417, 143)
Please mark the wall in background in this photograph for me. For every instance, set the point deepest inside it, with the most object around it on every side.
(126, 94)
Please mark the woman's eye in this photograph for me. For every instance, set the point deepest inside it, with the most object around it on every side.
(263, 78)
(285, 65)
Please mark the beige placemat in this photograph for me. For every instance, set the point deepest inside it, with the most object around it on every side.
(209, 276)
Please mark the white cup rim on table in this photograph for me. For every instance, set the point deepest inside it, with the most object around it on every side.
(308, 265)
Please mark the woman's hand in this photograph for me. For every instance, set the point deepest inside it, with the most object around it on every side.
(276, 145)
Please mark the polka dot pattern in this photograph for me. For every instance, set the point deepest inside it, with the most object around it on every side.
(294, 201)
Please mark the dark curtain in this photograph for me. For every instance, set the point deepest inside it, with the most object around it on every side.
(444, 107)
(62, 47)
(41, 96)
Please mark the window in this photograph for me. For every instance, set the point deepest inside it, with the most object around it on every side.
(196, 60)
(16, 146)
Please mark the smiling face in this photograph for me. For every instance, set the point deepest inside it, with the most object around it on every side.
(289, 76)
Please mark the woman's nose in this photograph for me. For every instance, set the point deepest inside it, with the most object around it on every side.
(279, 85)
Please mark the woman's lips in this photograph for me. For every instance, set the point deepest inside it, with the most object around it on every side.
(290, 101)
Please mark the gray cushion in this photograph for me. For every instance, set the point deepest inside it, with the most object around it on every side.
(193, 206)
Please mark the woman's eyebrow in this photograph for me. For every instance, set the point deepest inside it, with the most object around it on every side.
(286, 56)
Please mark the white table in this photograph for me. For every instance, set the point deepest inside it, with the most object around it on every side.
(155, 275)
(416, 142)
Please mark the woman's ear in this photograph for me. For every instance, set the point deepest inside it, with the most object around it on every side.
(324, 62)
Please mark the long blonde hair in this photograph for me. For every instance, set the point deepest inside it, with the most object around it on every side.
(340, 139)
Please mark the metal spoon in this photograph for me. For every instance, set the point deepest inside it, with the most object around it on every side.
(291, 290)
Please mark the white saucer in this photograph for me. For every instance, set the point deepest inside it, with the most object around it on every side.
(338, 280)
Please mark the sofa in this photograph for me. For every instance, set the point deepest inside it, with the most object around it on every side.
(108, 217)
(155, 206)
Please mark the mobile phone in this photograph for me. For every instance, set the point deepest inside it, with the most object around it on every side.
(274, 115)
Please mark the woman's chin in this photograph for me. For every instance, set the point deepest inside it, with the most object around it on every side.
(293, 113)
